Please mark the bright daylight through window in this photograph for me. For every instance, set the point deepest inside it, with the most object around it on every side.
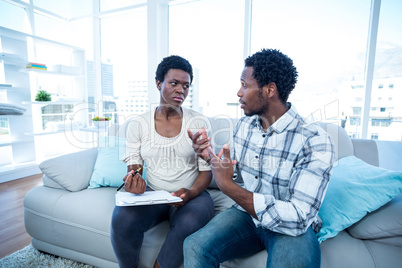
(104, 53)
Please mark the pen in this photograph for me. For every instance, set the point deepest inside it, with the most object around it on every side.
(135, 173)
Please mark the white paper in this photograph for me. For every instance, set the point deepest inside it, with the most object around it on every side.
(147, 198)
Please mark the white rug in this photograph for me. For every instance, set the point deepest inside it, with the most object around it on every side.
(29, 257)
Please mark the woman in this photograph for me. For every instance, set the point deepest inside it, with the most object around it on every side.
(159, 140)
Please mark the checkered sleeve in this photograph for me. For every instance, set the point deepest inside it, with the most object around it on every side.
(307, 186)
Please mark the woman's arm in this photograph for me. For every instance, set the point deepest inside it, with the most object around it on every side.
(200, 184)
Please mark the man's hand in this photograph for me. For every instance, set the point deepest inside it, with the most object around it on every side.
(222, 167)
(134, 184)
(222, 170)
(184, 194)
(201, 143)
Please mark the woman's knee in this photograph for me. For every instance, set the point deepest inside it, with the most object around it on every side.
(125, 218)
(192, 219)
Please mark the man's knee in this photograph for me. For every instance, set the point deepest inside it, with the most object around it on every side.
(191, 242)
(197, 243)
(197, 252)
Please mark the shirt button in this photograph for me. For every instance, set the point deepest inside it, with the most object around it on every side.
(256, 156)
(263, 135)
(256, 177)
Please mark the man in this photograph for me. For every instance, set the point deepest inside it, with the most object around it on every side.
(285, 164)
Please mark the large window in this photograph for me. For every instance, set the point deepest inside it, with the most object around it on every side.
(106, 5)
(327, 42)
(125, 62)
(209, 34)
(387, 84)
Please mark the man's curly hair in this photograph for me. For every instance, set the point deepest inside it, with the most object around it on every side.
(271, 65)
(173, 62)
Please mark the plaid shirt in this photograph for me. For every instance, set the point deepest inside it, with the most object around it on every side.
(287, 168)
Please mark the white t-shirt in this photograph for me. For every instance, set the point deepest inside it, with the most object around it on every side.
(171, 163)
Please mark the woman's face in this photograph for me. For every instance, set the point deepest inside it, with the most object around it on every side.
(174, 88)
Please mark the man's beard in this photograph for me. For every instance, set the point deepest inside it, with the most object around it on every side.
(263, 106)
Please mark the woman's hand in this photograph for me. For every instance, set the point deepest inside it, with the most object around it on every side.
(134, 183)
(184, 194)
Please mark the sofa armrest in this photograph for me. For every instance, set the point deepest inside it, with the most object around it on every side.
(71, 171)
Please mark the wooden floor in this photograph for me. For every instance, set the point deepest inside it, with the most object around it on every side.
(13, 236)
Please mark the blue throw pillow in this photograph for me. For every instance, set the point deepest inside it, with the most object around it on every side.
(355, 189)
(109, 169)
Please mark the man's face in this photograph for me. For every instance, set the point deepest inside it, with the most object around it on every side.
(251, 98)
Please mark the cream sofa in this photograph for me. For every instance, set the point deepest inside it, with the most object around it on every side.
(66, 219)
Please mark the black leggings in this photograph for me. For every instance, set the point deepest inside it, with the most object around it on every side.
(130, 223)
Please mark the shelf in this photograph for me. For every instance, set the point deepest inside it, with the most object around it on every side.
(6, 86)
(53, 132)
(94, 129)
(12, 88)
(65, 72)
(10, 141)
(16, 171)
(11, 59)
(12, 115)
(46, 103)
(48, 72)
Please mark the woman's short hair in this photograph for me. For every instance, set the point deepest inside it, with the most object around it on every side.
(173, 62)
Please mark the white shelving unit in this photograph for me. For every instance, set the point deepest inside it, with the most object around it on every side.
(29, 141)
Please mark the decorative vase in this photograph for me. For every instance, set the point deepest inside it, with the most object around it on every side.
(101, 124)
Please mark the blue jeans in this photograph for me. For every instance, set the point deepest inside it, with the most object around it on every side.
(130, 223)
(233, 234)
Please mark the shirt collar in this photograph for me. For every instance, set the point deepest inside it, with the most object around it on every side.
(281, 124)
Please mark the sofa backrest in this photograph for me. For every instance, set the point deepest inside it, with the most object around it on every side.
(367, 151)
(342, 142)
(221, 131)
(390, 154)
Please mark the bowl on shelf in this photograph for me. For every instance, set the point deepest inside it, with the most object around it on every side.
(101, 124)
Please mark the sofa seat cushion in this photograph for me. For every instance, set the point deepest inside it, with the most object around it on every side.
(347, 251)
(385, 222)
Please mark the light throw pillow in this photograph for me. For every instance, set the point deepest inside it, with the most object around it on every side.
(355, 189)
(109, 169)
(71, 171)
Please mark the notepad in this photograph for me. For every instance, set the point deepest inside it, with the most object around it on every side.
(147, 198)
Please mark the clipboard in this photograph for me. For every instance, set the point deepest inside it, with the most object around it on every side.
(147, 198)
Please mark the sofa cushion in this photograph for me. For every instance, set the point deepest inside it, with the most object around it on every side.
(355, 188)
(383, 223)
(109, 169)
(49, 182)
(221, 133)
(389, 153)
(71, 171)
(366, 150)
